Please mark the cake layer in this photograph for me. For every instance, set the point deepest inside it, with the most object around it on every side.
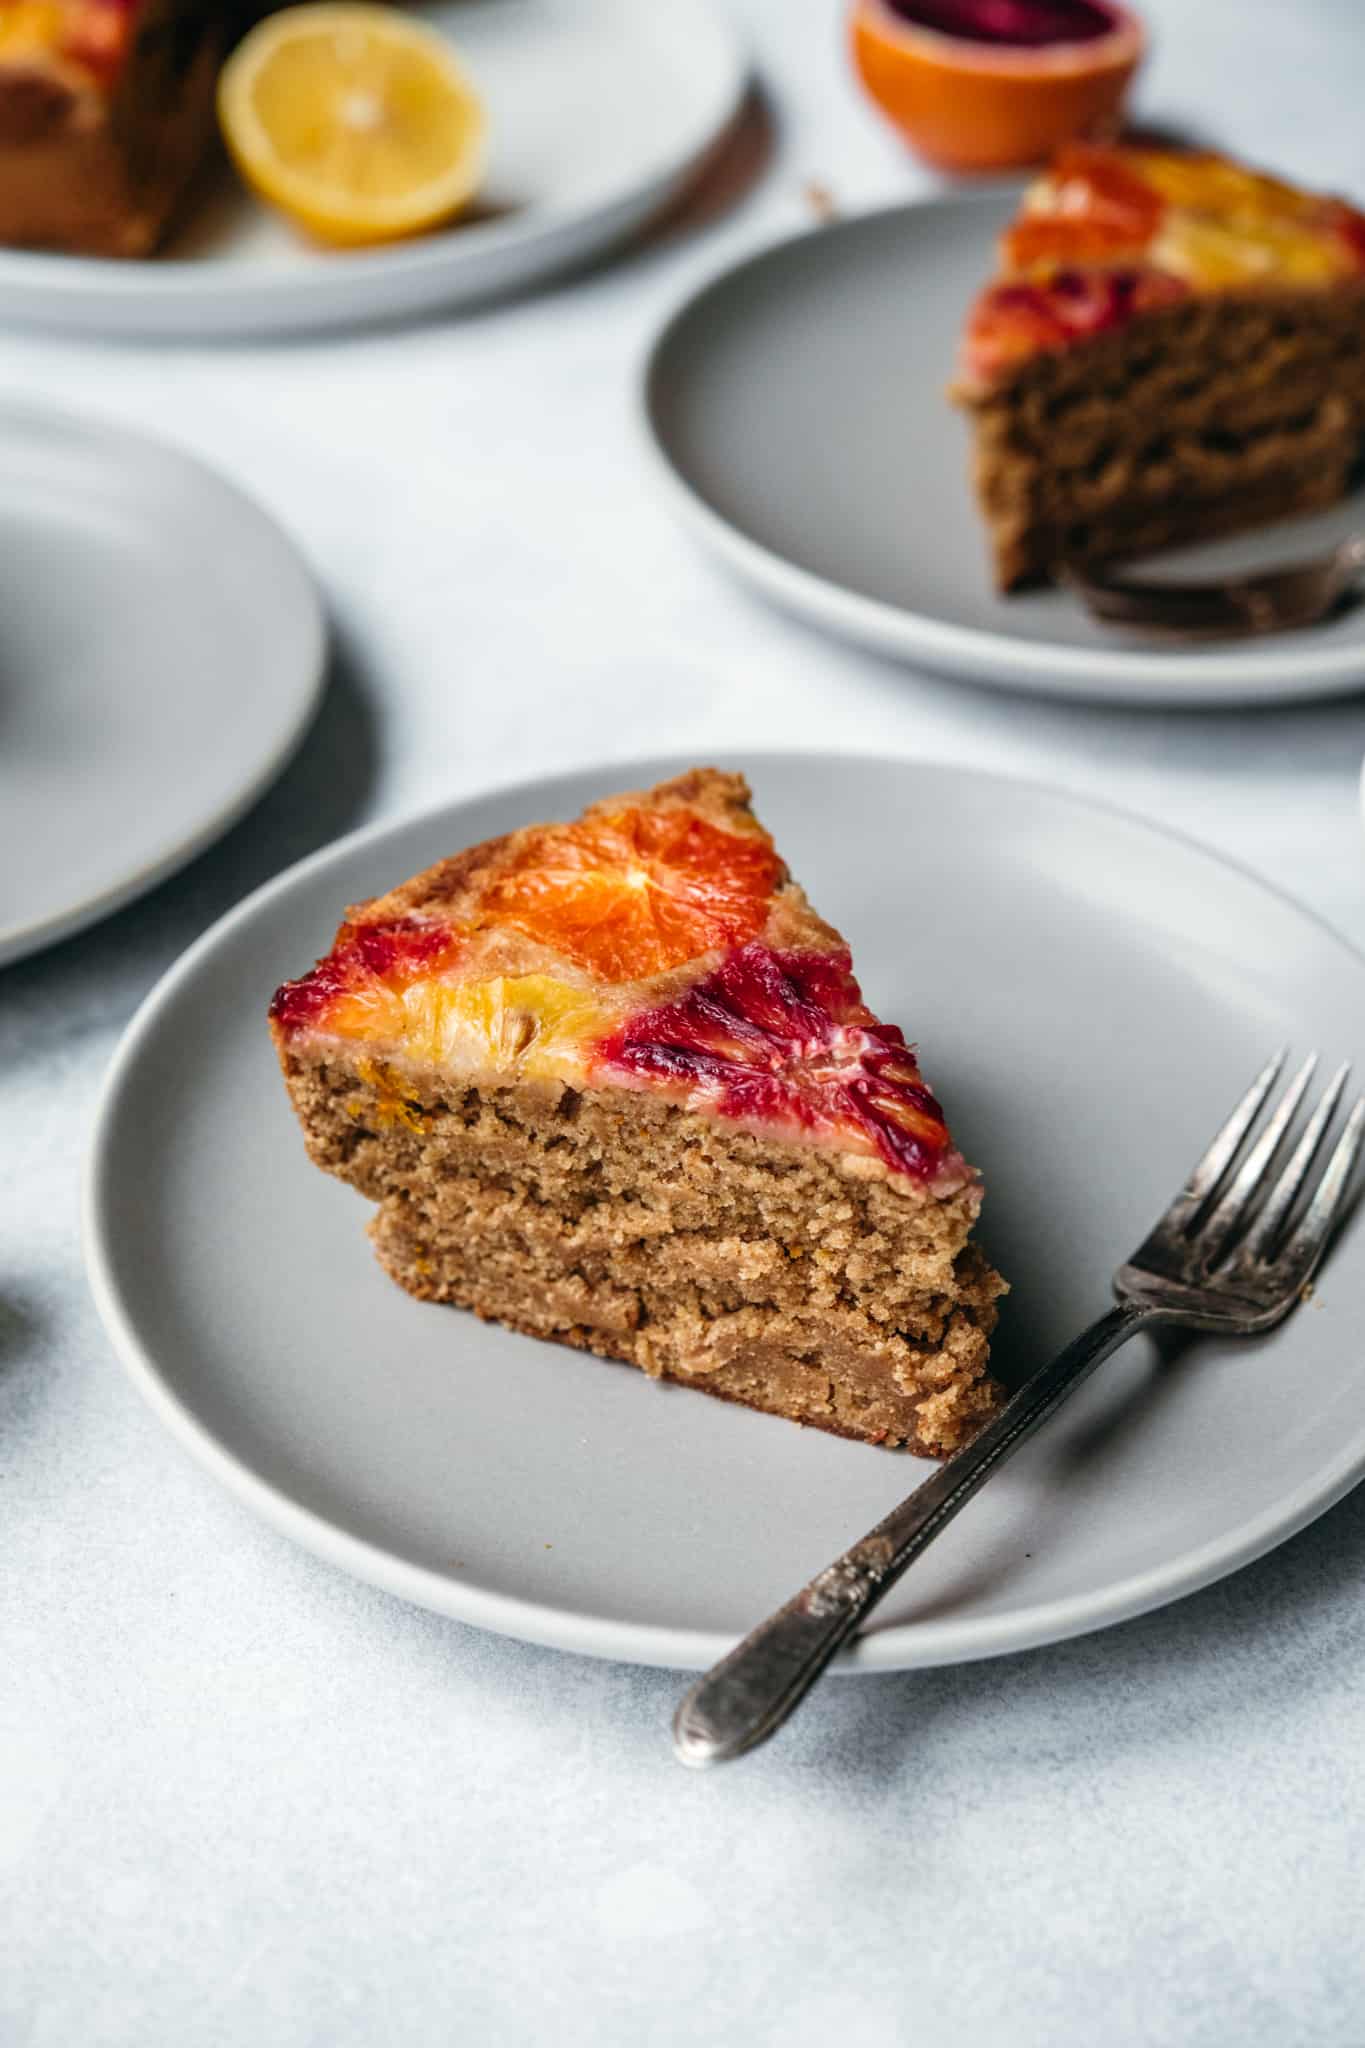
(1206, 417)
(1128, 533)
(1229, 363)
(775, 1274)
(827, 1371)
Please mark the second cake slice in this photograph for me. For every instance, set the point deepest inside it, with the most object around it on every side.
(1174, 348)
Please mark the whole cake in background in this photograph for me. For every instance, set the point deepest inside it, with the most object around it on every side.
(613, 1083)
(106, 112)
(1174, 347)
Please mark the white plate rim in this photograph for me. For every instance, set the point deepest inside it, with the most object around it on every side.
(193, 300)
(1248, 674)
(19, 941)
(911, 1646)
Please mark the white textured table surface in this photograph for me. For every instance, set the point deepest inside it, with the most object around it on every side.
(244, 1800)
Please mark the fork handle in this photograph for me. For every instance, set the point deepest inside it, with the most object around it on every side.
(749, 1694)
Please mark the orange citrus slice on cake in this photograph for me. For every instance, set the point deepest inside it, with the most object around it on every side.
(356, 121)
(635, 892)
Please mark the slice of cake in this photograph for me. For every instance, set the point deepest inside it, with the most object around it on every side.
(613, 1083)
(106, 111)
(1174, 348)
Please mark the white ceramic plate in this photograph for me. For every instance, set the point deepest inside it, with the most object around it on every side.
(1090, 994)
(161, 652)
(599, 112)
(797, 407)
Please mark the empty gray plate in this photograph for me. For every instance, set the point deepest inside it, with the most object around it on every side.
(1091, 996)
(797, 406)
(161, 651)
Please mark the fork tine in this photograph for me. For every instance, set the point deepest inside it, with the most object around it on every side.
(1264, 1235)
(1225, 1147)
(1246, 1183)
(1309, 1240)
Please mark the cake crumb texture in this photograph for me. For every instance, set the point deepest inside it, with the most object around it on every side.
(1205, 418)
(698, 1252)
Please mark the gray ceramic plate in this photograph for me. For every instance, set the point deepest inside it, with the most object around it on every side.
(161, 651)
(599, 111)
(1090, 995)
(797, 407)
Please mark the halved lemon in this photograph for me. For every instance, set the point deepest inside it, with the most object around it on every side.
(356, 121)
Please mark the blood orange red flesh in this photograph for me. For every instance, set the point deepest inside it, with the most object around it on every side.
(1017, 24)
(785, 1037)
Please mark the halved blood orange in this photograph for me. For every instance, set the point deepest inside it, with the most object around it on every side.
(633, 893)
(985, 85)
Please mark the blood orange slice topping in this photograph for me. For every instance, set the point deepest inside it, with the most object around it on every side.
(633, 893)
(785, 1038)
(1109, 234)
(358, 990)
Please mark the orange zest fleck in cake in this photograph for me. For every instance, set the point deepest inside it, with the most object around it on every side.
(614, 1082)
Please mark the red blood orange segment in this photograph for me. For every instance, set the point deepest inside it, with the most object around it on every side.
(357, 991)
(636, 892)
(1019, 317)
(785, 1038)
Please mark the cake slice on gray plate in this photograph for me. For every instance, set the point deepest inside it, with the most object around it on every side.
(1173, 347)
(613, 1083)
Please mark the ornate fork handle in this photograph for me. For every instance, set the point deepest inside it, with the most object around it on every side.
(1233, 1252)
(750, 1693)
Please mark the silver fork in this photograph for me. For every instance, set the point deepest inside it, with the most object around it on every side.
(1263, 601)
(1234, 1253)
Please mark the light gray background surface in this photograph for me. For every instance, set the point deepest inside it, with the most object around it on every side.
(243, 1800)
